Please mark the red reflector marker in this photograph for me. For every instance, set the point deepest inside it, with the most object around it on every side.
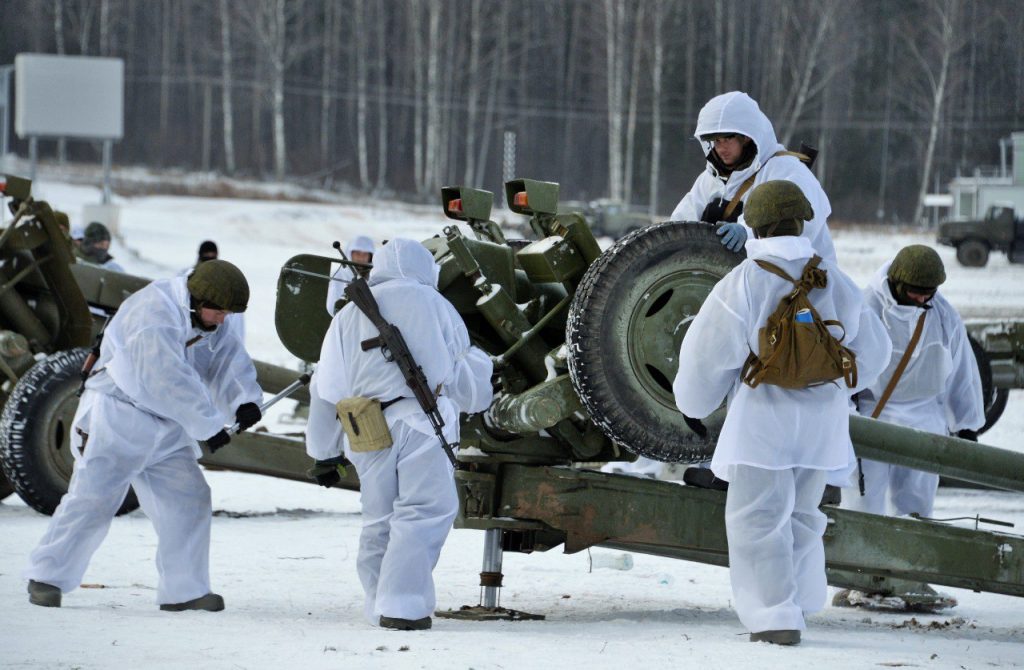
(520, 199)
(455, 206)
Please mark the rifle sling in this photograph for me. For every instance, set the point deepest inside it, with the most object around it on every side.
(745, 186)
(901, 367)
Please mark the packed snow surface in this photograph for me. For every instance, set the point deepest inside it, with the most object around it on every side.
(284, 553)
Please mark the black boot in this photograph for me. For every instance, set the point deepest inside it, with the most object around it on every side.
(405, 624)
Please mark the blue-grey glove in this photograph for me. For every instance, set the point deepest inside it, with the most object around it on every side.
(733, 235)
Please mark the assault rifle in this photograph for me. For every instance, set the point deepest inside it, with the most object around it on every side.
(394, 349)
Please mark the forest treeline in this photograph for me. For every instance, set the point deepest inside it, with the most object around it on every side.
(399, 97)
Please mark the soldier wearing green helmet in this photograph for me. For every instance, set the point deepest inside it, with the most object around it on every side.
(937, 389)
(779, 447)
(171, 372)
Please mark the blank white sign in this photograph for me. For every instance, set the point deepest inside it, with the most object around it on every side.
(68, 96)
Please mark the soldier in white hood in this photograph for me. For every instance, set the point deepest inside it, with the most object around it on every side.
(359, 250)
(171, 371)
(938, 391)
(739, 142)
(407, 490)
(778, 447)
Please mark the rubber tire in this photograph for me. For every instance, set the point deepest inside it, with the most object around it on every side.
(994, 399)
(632, 402)
(35, 432)
(972, 253)
(6, 488)
(995, 410)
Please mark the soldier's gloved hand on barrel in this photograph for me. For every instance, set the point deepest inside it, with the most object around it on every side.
(218, 441)
(247, 415)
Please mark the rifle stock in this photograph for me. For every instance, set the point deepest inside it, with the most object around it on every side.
(394, 349)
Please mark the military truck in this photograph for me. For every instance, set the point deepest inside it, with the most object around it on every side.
(1000, 230)
(607, 217)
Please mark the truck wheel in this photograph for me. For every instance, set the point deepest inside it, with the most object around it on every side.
(35, 432)
(972, 253)
(626, 323)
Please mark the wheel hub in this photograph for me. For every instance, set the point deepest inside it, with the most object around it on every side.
(657, 325)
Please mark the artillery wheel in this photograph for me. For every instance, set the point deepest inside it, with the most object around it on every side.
(993, 398)
(35, 432)
(5, 487)
(972, 253)
(626, 323)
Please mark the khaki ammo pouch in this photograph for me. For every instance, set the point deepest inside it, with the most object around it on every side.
(364, 424)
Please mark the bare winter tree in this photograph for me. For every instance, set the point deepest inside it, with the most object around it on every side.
(935, 40)
(268, 22)
(615, 41)
(227, 103)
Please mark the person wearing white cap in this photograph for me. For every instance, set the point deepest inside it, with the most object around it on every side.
(359, 250)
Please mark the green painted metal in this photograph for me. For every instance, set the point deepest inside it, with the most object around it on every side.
(654, 330)
(542, 196)
(590, 508)
(301, 316)
(1003, 342)
(535, 409)
(943, 455)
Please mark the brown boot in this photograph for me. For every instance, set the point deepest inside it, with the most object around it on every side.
(44, 595)
(781, 637)
(211, 602)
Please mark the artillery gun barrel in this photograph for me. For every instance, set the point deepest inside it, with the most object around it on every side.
(940, 454)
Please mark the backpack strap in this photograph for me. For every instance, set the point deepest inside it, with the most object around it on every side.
(749, 181)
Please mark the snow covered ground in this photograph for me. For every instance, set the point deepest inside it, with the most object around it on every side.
(284, 553)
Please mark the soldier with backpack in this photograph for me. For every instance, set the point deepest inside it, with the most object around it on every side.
(931, 383)
(786, 433)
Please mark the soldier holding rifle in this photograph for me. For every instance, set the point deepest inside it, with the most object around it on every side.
(366, 407)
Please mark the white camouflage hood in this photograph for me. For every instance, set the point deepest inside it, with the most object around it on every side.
(402, 258)
(737, 112)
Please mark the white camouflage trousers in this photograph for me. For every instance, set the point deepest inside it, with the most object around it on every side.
(408, 503)
(127, 446)
(776, 553)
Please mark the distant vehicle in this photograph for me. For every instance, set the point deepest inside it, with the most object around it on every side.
(608, 217)
(1000, 230)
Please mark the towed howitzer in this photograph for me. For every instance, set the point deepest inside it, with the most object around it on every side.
(585, 345)
(394, 349)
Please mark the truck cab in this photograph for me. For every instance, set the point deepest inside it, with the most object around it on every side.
(1002, 229)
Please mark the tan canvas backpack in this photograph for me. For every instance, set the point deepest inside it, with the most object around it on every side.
(795, 346)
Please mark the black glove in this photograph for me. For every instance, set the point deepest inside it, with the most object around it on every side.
(218, 441)
(329, 472)
(966, 434)
(247, 414)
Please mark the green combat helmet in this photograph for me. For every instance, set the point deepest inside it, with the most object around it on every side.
(917, 268)
(777, 207)
(96, 232)
(219, 284)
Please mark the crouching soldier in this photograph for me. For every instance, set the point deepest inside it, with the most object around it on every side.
(171, 371)
(407, 493)
(779, 445)
(931, 383)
